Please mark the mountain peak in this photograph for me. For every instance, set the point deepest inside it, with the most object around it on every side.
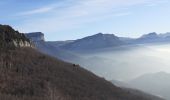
(97, 41)
(104, 34)
(99, 34)
(150, 35)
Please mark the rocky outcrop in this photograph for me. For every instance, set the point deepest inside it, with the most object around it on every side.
(35, 36)
(9, 38)
(23, 44)
(51, 49)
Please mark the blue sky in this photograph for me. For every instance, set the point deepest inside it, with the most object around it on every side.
(72, 19)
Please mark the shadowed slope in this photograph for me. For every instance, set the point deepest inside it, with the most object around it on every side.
(26, 73)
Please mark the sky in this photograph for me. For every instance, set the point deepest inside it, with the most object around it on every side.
(73, 19)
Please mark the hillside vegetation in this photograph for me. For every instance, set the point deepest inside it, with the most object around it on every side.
(26, 74)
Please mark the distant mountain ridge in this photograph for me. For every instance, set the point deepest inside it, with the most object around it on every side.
(153, 38)
(150, 35)
(68, 50)
(97, 41)
(164, 34)
(101, 41)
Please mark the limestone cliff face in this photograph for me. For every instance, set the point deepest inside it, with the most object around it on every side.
(23, 44)
(35, 36)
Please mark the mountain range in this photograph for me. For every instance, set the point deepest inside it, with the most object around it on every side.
(27, 74)
(72, 49)
(101, 41)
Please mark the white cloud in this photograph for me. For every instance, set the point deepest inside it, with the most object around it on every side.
(122, 14)
(156, 3)
(37, 11)
(77, 13)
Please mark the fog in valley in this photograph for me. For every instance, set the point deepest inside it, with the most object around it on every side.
(128, 62)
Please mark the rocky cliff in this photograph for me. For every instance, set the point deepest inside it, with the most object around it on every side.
(9, 38)
(35, 36)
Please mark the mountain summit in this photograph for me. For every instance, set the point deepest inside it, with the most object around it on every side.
(150, 35)
(97, 41)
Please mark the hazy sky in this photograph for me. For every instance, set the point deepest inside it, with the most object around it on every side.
(72, 19)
